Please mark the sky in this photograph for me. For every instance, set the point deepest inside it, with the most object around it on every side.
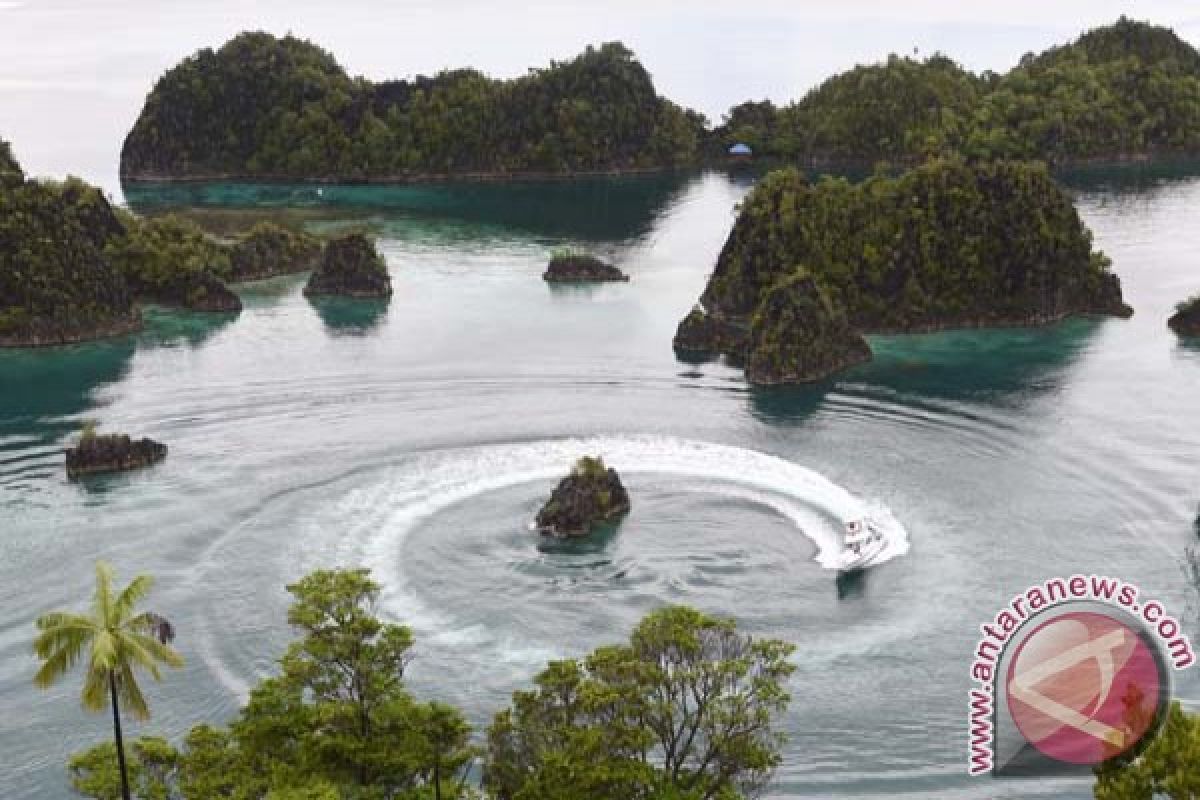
(73, 74)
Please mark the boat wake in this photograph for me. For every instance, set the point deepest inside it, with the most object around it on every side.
(817, 507)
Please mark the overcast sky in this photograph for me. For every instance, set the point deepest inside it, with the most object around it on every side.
(73, 74)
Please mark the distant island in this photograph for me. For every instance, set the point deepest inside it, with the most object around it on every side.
(568, 266)
(949, 244)
(263, 107)
(1129, 90)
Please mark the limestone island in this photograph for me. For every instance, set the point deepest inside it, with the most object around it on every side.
(809, 267)
(111, 452)
(1122, 92)
(73, 267)
(592, 494)
(1186, 319)
(268, 250)
(573, 267)
(283, 109)
(350, 267)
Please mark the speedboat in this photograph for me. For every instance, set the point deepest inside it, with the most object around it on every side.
(862, 545)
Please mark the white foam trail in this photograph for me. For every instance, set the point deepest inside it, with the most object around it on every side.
(817, 506)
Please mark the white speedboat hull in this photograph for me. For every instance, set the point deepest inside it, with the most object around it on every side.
(869, 548)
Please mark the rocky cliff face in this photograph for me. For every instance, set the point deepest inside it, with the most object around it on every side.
(350, 267)
(590, 495)
(797, 336)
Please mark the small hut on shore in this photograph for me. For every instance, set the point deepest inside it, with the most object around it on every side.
(740, 152)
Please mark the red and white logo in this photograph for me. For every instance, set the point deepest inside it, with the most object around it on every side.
(1084, 687)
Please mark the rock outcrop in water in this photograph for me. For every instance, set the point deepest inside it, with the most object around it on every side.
(350, 267)
(581, 268)
(268, 250)
(112, 452)
(1186, 319)
(946, 245)
(590, 495)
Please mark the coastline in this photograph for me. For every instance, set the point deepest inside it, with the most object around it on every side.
(411, 179)
(816, 165)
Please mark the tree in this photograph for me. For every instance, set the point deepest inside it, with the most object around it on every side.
(339, 711)
(114, 639)
(1169, 767)
(685, 710)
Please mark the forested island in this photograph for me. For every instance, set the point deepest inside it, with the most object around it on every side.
(72, 267)
(948, 244)
(1124, 91)
(263, 107)
(268, 108)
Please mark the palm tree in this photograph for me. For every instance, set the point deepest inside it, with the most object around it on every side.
(115, 640)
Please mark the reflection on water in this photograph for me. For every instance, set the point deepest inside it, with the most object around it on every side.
(588, 208)
(350, 316)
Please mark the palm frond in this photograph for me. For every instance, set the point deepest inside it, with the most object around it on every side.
(104, 650)
(102, 600)
(65, 631)
(58, 661)
(130, 596)
(131, 694)
(95, 689)
(151, 648)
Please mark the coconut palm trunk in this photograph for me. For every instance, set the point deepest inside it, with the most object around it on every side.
(114, 640)
(112, 687)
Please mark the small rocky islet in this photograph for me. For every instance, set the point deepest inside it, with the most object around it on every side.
(1186, 319)
(581, 268)
(350, 267)
(112, 452)
(590, 495)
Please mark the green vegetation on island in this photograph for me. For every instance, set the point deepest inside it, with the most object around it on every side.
(110, 452)
(72, 266)
(687, 709)
(57, 284)
(172, 261)
(351, 267)
(948, 244)
(590, 495)
(268, 249)
(1127, 90)
(275, 108)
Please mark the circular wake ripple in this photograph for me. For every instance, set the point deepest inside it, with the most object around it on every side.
(369, 525)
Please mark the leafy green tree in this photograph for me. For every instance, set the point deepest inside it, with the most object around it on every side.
(685, 710)
(114, 639)
(1169, 767)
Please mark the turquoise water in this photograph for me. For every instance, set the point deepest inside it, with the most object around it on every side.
(418, 437)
